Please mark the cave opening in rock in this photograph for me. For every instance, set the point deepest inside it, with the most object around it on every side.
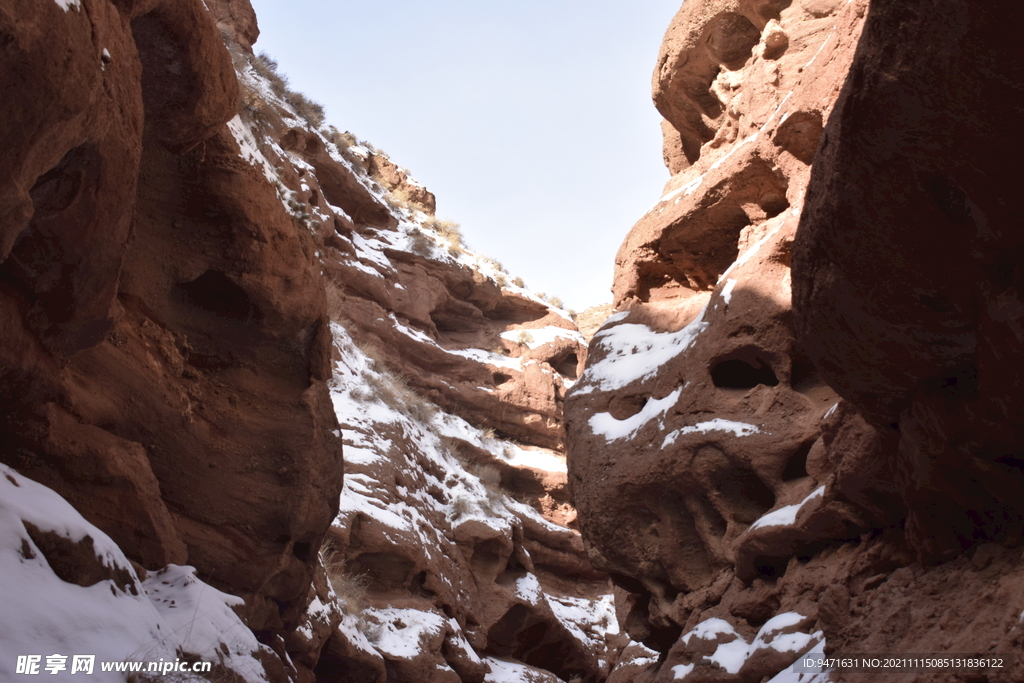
(566, 365)
(501, 378)
(796, 466)
(302, 551)
(739, 373)
(214, 292)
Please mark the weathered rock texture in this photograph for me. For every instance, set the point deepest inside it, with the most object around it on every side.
(909, 302)
(174, 225)
(743, 482)
(164, 349)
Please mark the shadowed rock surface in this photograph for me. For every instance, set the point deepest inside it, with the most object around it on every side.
(761, 478)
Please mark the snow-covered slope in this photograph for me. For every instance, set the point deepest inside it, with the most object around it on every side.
(74, 605)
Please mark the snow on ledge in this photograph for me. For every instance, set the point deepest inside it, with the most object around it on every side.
(738, 429)
(613, 430)
(635, 352)
(536, 338)
(786, 516)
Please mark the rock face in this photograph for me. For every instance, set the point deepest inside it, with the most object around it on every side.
(175, 226)
(164, 347)
(931, 340)
(762, 478)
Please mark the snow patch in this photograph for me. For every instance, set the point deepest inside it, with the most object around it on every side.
(786, 516)
(136, 621)
(635, 352)
(738, 429)
(613, 430)
(536, 338)
(681, 671)
(727, 290)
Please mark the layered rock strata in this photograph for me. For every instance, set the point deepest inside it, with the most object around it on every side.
(176, 226)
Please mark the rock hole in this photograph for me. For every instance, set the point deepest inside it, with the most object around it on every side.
(747, 496)
(625, 407)
(487, 557)
(502, 636)
(566, 364)
(796, 466)
(771, 567)
(386, 571)
(58, 188)
(803, 376)
(731, 39)
(773, 204)
(302, 551)
(215, 293)
(500, 378)
(738, 373)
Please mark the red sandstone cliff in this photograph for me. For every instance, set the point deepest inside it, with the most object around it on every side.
(771, 444)
(206, 292)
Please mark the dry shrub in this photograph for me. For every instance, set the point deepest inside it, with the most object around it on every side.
(341, 140)
(266, 66)
(398, 199)
(335, 303)
(421, 244)
(519, 282)
(390, 387)
(306, 108)
(350, 588)
(449, 232)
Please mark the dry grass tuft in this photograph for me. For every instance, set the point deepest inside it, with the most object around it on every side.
(421, 244)
(350, 588)
(390, 387)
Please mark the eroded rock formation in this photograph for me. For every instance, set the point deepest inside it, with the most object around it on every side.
(760, 483)
(175, 226)
(164, 346)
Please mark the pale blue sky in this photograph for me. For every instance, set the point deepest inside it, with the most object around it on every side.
(531, 121)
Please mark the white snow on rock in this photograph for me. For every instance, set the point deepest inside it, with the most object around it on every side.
(786, 516)
(730, 284)
(401, 630)
(536, 338)
(709, 629)
(367, 420)
(249, 149)
(812, 675)
(633, 352)
(536, 458)
(503, 670)
(68, 4)
(613, 430)
(733, 653)
(681, 671)
(141, 621)
(738, 429)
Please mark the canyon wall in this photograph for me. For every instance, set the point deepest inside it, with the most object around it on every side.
(165, 347)
(794, 435)
(206, 293)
